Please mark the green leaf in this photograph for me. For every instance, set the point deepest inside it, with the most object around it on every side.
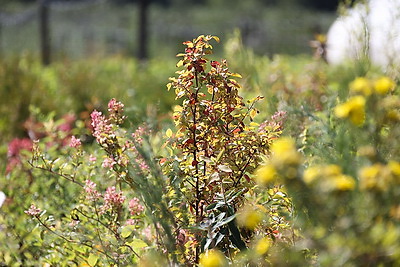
(92, 259)
(137, 244)
(235, 236)
(224, 168)
(225, 221)
(127, 231)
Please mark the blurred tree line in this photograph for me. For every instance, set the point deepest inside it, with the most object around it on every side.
(329, 5)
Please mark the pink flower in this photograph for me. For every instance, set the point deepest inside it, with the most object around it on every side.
(75, 142)
(92, 158)
(33, 210)
(135, 207)
(14, 152)
(116, 110)
(276, 123)
(139, 133)
(68, 123)
(115, 106)
(108, 163)
(91, 192)
(131, 222)
(112, 199)
(147, 233)
(101, 126)
(74, 223)
(16, 145)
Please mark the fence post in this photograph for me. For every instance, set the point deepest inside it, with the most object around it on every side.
(44, 29)
(143, 29)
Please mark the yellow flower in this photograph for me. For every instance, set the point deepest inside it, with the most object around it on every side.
(331, 177)
(354, 109)
(212, 258)
(393, 115)
(263, 246)
(249, 218)
(383, 85)
(284, 152)
(369, 176)
(394, 167)
(311, 174)
(266, 174)
(344, 182)
(332, 169)
(361, 85)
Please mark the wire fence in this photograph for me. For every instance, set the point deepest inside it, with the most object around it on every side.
(66, 28)
(77, 29)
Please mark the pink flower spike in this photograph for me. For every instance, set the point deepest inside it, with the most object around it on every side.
(135, 207)
(91, 192)
(75, 142)
(112, 198)
(101, 126)
(115, 105)
(33, 210)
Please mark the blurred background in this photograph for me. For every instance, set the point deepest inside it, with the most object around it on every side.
(72, 56)
(156, 28)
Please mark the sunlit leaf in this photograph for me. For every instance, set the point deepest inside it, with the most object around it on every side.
(92, 259)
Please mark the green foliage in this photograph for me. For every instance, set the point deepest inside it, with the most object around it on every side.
(79, 87)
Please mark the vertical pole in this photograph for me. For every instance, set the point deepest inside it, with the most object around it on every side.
(1, 38)
(143, 29)
(44, 29)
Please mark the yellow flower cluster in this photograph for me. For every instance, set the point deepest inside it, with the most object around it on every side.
(362, 88)
(212, 258)
(354, 109)
(329, 178)
(283, 162)
(362, 85)
(379, 176)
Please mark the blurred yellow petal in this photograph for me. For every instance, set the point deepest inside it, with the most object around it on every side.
(266, 174)
(212, 258)
(263, 246)
(361, 85)
(384, 85)
(344, 182)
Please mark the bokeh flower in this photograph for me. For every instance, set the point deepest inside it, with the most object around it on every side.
(354, 109)
(328, 177)
(212, 258)
(249, 217)
(377, 176)
(265, 174)
(284, 152)
(383, 85)
(361, 85)
(262, 246)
